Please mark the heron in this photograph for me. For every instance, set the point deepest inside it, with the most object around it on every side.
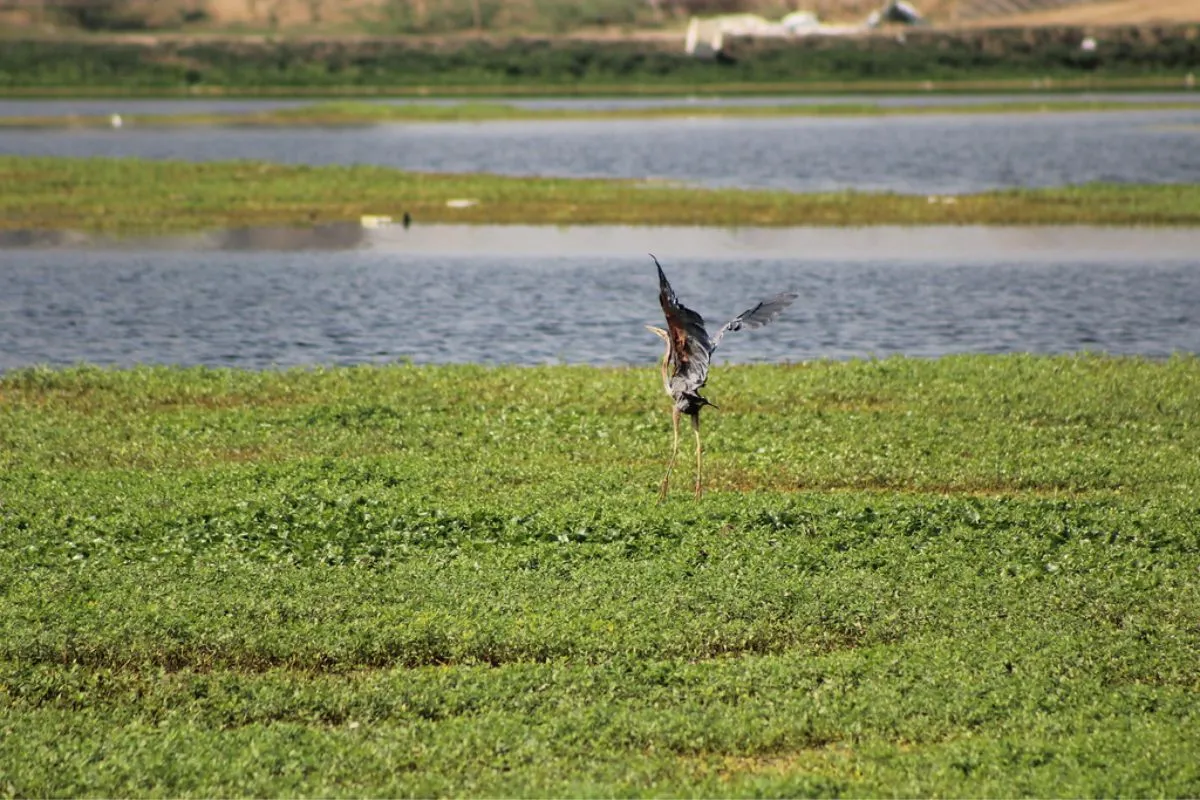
(686, 359)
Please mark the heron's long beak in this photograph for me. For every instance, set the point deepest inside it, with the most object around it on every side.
(659, 332)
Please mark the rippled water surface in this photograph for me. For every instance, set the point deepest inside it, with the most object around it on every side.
(451, 302)
(938, 153)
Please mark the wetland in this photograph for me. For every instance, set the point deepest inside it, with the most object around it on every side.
(297, 502)
(939, 150)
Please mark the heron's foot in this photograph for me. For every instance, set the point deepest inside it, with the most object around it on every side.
(662, 490)
(699, 491)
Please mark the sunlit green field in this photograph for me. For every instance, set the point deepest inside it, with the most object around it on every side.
(132, 196)
(350, 112)
(975, 576)
(485, 93)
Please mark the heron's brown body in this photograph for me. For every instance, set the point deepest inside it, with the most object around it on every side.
(688, 354)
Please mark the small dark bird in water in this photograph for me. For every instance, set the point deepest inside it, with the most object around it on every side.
(407, 220)
(689, 351)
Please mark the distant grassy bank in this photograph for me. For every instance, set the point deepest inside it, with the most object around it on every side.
(484, 91)
(248, 66)
(976, 576)
(129, 196)
(362, 113)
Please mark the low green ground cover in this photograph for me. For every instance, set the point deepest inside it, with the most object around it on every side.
(970, 576)
(362, 113)
(1089, 84)
(130, 196)
(184, 64)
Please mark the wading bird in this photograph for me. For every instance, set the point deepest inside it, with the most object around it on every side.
(685, 362)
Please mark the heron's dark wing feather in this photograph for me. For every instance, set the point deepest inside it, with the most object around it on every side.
(756, 317)
(690, 345)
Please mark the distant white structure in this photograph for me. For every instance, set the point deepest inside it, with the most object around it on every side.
(116, 121)
(801, 21)
(706, 37)
(896, 11)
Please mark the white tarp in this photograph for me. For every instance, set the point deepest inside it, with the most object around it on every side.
(707, 36)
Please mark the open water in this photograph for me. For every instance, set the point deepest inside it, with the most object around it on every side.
(516, 294)
(923, 154)
(442, 294)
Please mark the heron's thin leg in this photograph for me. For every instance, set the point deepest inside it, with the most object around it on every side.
(696, 429)
(662, 490)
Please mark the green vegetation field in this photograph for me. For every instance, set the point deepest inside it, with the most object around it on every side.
(351, 113)
(976, 576)
(131, 196)
(971, 59)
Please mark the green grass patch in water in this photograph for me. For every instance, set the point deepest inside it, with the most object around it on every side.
(130, 197)
(498, 93)
(348, 113)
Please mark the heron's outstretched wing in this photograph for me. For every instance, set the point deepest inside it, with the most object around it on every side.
(689, 342)
(756, 317)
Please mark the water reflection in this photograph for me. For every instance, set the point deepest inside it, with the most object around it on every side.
(340, 236)
(884, 243)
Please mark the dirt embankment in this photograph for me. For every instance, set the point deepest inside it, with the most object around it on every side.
(627, 18)
(1106, 13)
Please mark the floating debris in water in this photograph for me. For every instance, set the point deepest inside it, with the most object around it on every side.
(374, 220)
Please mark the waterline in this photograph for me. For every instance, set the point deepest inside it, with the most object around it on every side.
(940, 244)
